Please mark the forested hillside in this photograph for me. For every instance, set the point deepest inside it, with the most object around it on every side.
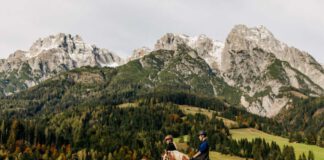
(304, 120)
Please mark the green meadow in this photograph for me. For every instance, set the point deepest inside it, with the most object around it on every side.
(300, 148)
(217, 155)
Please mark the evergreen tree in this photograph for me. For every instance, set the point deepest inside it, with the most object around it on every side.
(288, 153)
(311, 155)
(302, 157)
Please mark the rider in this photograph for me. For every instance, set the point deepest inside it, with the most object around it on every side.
(203, 150)
(170, 145)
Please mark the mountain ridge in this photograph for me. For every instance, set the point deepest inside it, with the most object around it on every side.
(251, 60)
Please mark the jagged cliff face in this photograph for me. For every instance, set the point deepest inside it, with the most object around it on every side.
(244, 38)
(261, 66)
(207, 49)
(49, 56)
(139, 53)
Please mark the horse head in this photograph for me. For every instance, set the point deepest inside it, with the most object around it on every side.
(175, 155)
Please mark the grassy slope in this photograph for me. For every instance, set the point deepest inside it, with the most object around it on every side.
(193, 110)
(217, 155)
(250, 133)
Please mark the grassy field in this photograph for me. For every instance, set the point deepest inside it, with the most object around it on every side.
(219, 156)
(192, 110)
(250, 134)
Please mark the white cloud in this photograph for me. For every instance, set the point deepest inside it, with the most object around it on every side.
(124, 25)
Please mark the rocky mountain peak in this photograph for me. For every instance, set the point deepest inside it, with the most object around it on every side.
(244, 38)
(66, 42)
(258, 31)
(261, 66)
(66, 49)
(49, 56)
(170, 41)
(139, 53)
(207, 48)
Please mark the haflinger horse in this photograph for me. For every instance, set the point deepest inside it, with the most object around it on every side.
(175, 155)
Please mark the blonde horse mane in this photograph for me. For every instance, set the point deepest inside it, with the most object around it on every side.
(175, 155)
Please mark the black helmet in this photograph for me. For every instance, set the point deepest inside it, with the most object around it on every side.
(203, 133)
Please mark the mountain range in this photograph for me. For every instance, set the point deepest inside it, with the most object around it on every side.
(251, 68)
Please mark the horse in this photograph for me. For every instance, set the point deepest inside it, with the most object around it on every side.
(175, 155)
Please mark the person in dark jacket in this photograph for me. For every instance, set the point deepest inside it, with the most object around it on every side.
(170, 145)
(203, 150)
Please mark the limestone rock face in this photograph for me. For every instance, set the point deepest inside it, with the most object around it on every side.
(261, 66)
(243, 38)
(48, 57)
(139, 53)
(207, 49)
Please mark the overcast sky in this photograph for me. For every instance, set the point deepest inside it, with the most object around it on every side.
(123, 25)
